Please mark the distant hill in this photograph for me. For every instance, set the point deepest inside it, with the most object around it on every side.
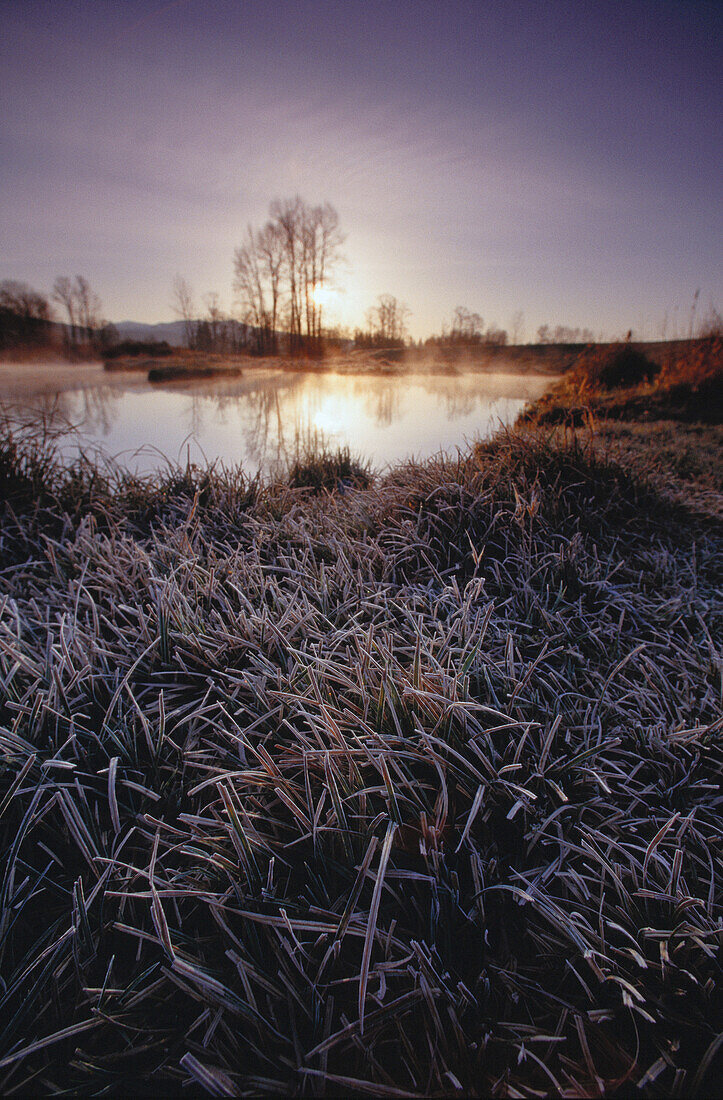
(173, 332)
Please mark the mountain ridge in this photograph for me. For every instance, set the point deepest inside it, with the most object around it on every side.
(173, 332)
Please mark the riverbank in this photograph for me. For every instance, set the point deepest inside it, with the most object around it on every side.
(399, 787)
(638, 383)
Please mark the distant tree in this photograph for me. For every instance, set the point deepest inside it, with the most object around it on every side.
(185, 308)
(64, 294)
(517, 326)
(467, 330)
(387, 322)
(693, 308)
(711, 324)
(216, 320)
(108, 337)
(25, 315)
(89, 309)
(495, 336)
(466, 327)
(564, 334)
(238, 334)
(203, 341)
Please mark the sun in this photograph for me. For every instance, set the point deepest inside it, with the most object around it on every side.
(325, 297)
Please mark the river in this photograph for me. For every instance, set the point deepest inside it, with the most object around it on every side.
(262, 417)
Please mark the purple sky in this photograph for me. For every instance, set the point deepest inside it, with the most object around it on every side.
(558, 158)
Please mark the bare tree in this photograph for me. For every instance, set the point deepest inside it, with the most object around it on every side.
(281, 268)
(216, 321)
(387, 321)
(517, 326)
(89, 308)
(320, 248)
(25, 315)
(83, 307)
(466, 326)
(288, 215)
(564, 334)
(693, 308)
(495, 336)
(185, 308)
(64, 294)
(257, 267)
(270, 244)
(712, 323)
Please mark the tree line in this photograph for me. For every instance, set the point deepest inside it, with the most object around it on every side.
(282, 273)
(467, 329)
(28, 319)
(562, 334)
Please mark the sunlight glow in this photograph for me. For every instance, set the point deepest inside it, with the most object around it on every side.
(325, 297)
(336, 414)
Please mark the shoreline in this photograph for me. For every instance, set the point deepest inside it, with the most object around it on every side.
(551, 361)
(25, 379)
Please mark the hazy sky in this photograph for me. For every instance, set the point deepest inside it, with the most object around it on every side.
(559, 158)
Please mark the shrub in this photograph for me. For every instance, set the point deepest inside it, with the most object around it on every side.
(159, 348)
(615, 367)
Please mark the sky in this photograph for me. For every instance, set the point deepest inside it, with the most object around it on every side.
(559, 158)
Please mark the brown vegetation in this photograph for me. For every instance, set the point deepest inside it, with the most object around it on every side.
(675, 382)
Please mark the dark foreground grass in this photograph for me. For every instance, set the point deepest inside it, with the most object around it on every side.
(409, 789)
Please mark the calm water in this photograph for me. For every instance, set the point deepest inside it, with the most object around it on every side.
(258, 419)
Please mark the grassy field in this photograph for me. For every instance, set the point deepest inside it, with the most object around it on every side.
(392, 787)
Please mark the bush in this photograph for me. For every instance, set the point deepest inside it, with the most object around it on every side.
(158, 348)
(616, 367)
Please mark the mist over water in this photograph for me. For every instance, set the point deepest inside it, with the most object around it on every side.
(259, 419)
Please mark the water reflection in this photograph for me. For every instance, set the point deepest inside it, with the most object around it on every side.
(257, 419)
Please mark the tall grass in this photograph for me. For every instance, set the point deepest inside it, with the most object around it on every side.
(405, 790)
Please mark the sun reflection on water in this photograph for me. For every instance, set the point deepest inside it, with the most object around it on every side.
(257, 419)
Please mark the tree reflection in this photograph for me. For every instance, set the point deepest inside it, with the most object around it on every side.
(91, 410)
(264, 419)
